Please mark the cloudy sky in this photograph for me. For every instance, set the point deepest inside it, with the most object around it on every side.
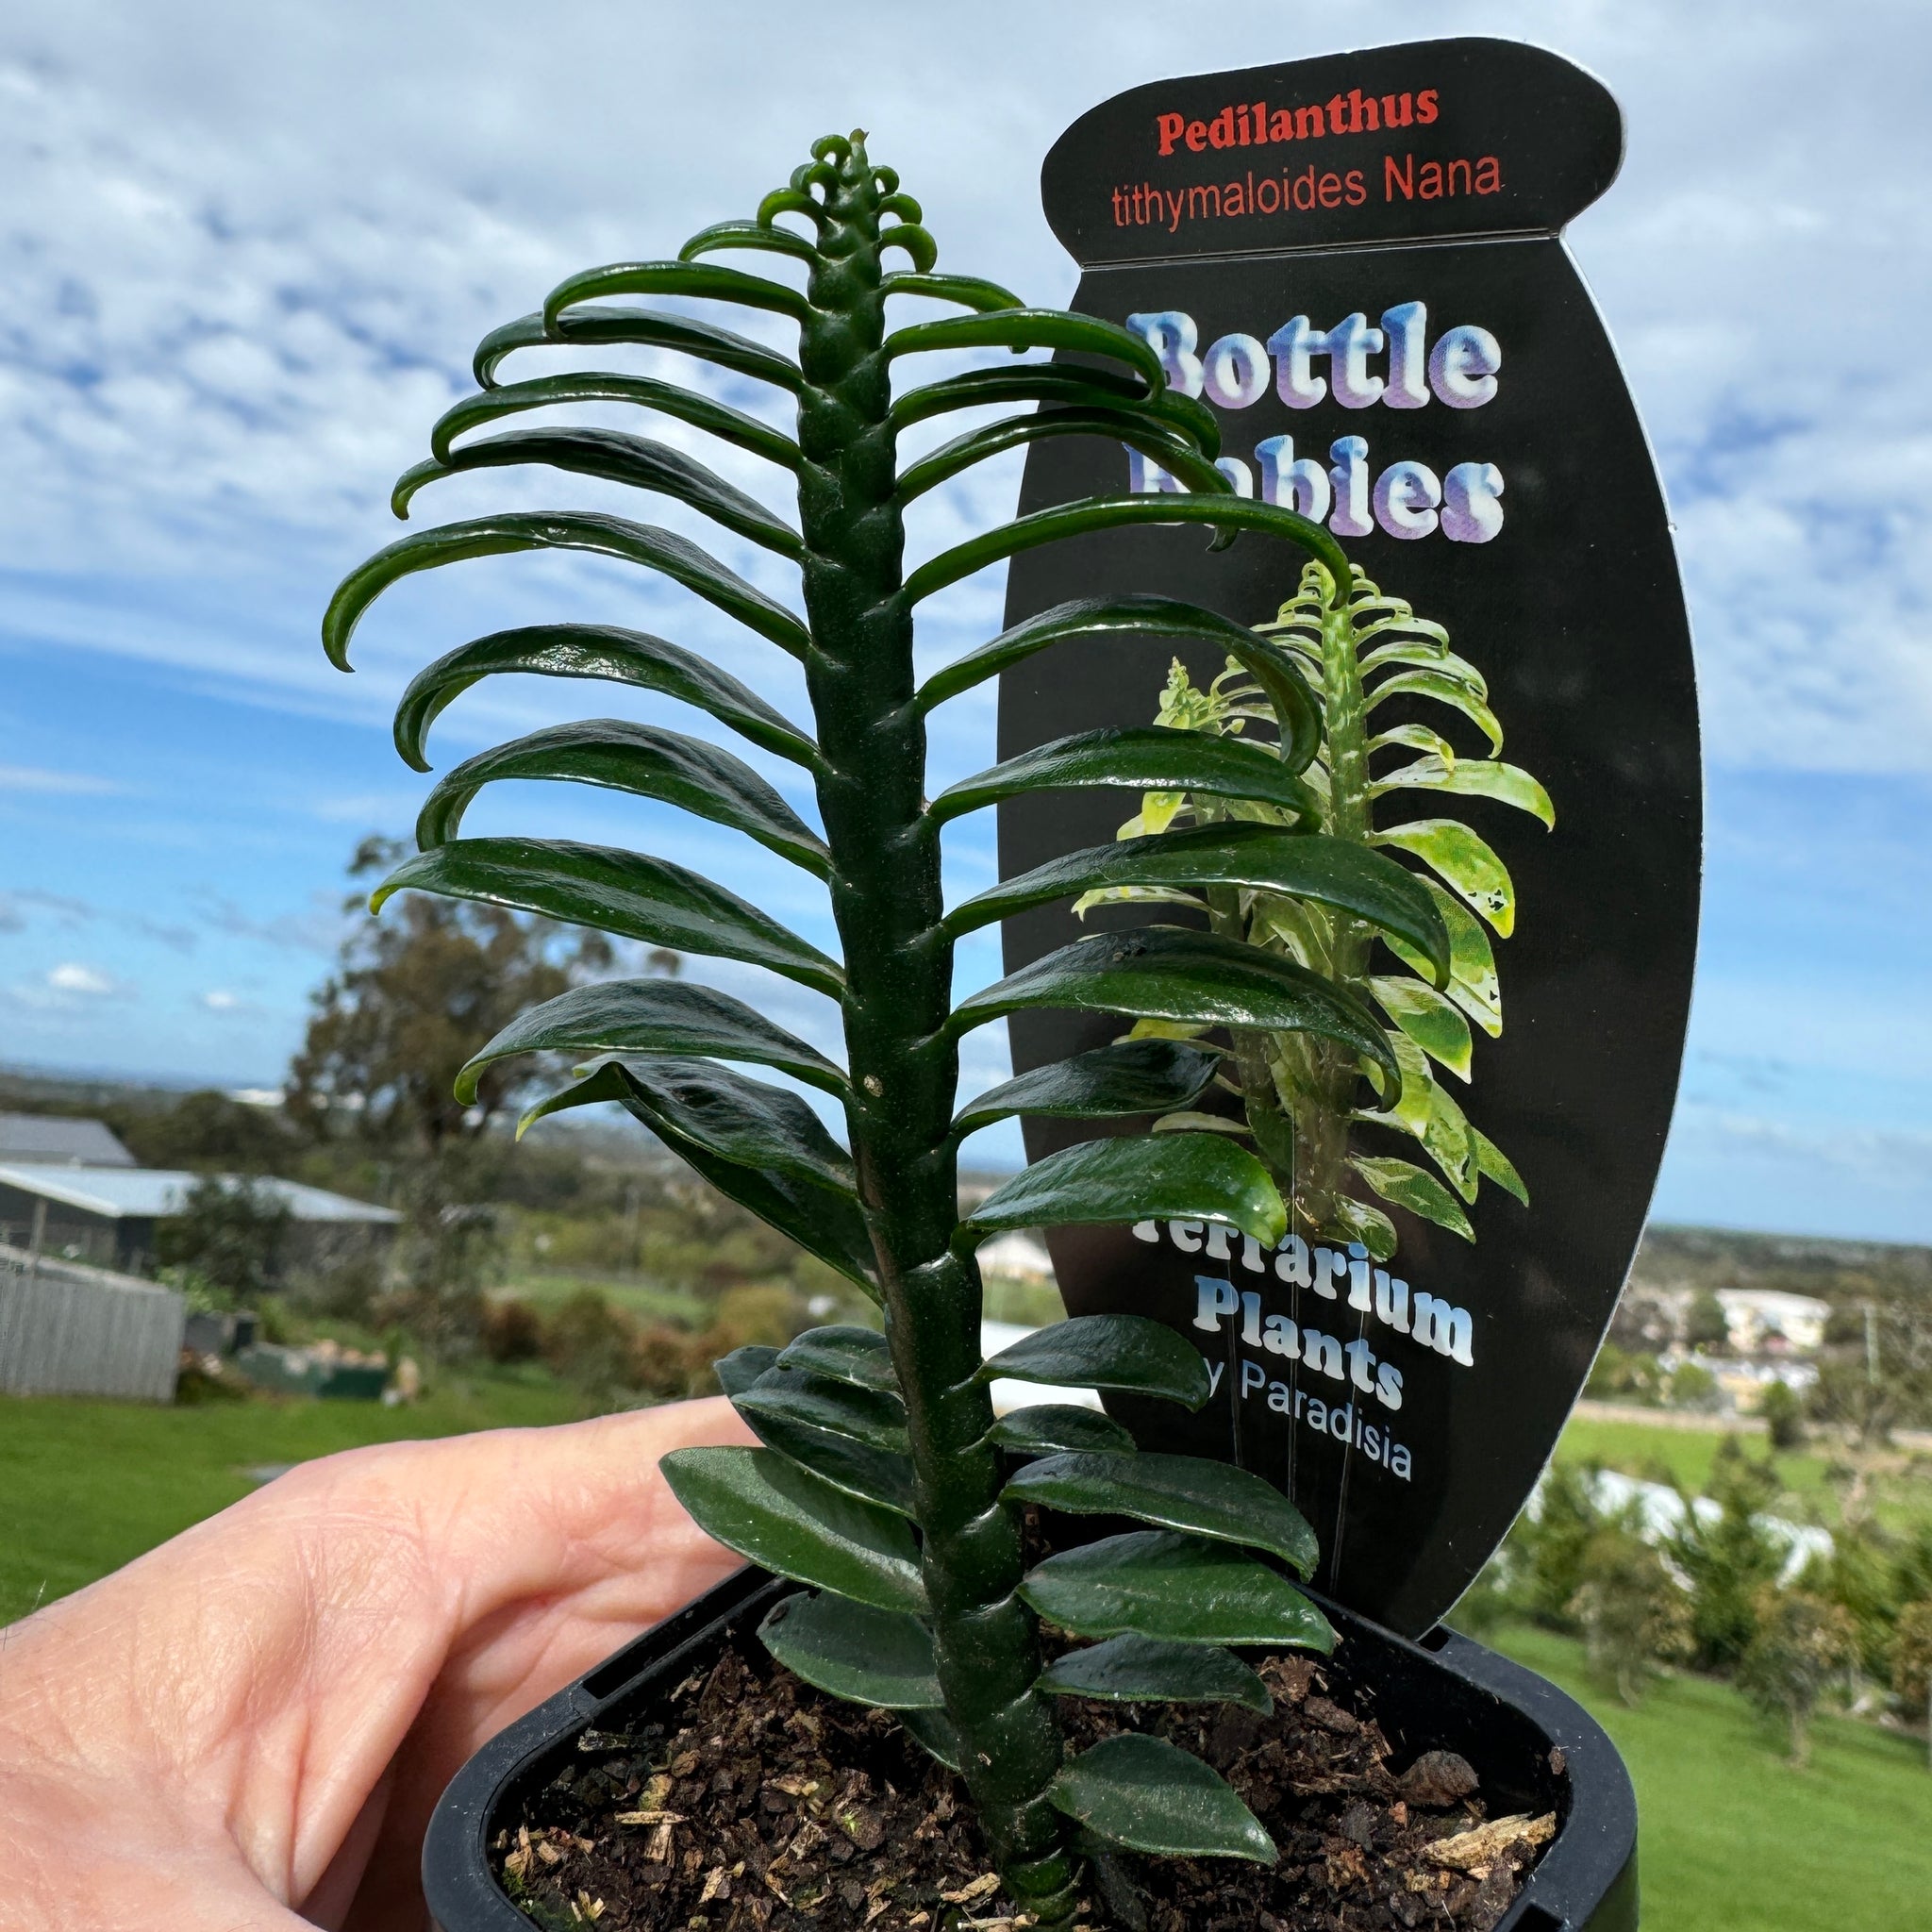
(247, 250)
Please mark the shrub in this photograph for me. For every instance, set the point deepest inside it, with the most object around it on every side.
(1693, 1386)
(1799, 1641)
(1784, 1415)
(1729, 1559)
(1634, 1616)
(513, 1331)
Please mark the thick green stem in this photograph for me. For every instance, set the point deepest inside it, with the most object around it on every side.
(886, 900)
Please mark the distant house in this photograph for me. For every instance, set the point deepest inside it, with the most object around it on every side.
(1767, 1320)
(108, 1216)
(46, 1139)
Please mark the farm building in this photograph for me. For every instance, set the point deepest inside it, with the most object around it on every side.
(46, 1139)
(108, 1216)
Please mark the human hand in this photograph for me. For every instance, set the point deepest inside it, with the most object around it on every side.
(246, 1730)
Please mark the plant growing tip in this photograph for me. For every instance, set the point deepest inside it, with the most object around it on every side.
(885, 1484)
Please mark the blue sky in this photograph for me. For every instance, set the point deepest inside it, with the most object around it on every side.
(248, 251)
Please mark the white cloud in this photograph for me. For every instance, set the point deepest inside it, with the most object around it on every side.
(71, 784)
(69, 987)
(233, 304)
(89, 981)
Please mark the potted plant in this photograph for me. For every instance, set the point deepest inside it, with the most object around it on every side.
(886, 1485)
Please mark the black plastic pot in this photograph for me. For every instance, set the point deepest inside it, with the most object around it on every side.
(1444, 1692)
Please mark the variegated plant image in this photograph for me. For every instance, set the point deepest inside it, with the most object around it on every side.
(1297, 1092)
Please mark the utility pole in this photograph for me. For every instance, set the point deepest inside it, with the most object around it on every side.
(1871, 1369)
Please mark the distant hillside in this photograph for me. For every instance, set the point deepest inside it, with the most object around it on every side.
(1835, 1270)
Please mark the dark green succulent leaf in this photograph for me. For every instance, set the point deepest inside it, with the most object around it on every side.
(1474, 985)
(614, 457)
(1167, 1177)
(1188, 1492)
(1048, 1428)
(1493, 1162)
(881, 1657)
(1229, 514)
(1429, 1017)
(1159, 1584)
(1032, 329)
(772, 1511)
(757, 235)
(1294, 705)
(847, 1354)
(969, 290)
(1160, 973)
(1124, 1352)
(1471, 779)
(1126, 1076)
(825, 1222)
(1151, 1796)
(626, 894)
(654, 1016)
(873, 1475)
(791, 201)
(646, 760)
(1146, 1670)
(868, 1415)
(933, 1731)
(915, 239)
(690, 279)
(1444, 690)
(738, 1370)
(1414, 1188)
(757, 1126)
(663, 551)
(643, 327)
(1148, 757)
(546, 391)
(1064, 386)
(595, 650)
(1173, 453)
(1333, 871)
(1467, 863)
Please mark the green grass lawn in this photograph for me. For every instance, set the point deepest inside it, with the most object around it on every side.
(642, 1299)
(1731, 1838)
(85, 1486)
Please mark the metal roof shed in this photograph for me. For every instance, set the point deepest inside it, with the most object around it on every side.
(46, 1138)
(110, 1214)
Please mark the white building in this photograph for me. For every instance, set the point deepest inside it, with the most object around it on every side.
(1766, 1320)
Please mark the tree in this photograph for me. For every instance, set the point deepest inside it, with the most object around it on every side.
(1728, 1559)
(1784, 1415)
(1799, 1644)
(388, 1033)
(1704, 1323)
(1911, 1664)
(394, 1024)
(1634, 1615)
(230, 1234)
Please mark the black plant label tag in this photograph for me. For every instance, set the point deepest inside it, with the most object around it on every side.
(1355, 263)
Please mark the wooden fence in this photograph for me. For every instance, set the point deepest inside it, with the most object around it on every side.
(70, 1330)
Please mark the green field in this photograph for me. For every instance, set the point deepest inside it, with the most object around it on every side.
(1812, 1480)
(1731, 1838)
(85, 1486)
